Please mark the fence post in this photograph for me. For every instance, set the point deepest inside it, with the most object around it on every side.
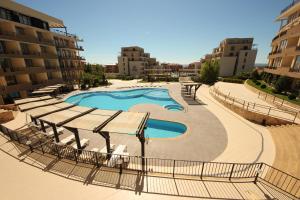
(18, 139)
(231, 171)
(57, 151)
(97, 161)
(42, 147)
(258, 172)
(269, 110)
(258, 94)
(201, 175)
(75, 155)
(295, 117)
(121, 163)
(174, 167)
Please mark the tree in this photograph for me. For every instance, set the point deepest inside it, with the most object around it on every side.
(209, 72)
(283, 84)
(255, 75)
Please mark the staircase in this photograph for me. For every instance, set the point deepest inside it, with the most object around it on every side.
(287, 141)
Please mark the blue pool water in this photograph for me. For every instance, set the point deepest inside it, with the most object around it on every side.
(163, 129)
(124, 100)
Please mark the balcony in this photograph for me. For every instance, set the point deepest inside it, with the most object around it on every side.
(289, 6)
(70, 57)
(19, 54)
(24, 38)
(64, 46)
(15, 88)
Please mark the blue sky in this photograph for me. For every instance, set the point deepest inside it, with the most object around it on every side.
(178, 31)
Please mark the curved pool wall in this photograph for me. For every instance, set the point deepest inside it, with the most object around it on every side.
(123, 100)
(163, 129)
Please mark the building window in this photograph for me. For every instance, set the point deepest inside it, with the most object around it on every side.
(24, 48)
(11, 80)
(24, 19)
(20, 31)
(232, 48)
(5, 14)
(2, 47)
(244, 60)
(231, 54)
(297, 64)
(28, 62)
(5, 64)
(245, 47)
(246, 54)
(243, 67)
(277, 62)
(282, 45)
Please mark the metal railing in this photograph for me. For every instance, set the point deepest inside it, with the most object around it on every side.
(290, 5)
(287, 115)
(254, 172)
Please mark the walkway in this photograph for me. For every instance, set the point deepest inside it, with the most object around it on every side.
(48, 178)
(287, 140)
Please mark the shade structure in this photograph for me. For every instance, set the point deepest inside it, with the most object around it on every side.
(31, 105)
(55, 86)
(40, 111)
(33, 99)
(59, 117)
(126, 123)
(44, 91)
(92, 120)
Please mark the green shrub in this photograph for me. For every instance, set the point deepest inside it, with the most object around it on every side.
(283, 83)
(292, 96)
(263, 86)
(257, 83)
(255, 75)
(209, 72)
(231, 80)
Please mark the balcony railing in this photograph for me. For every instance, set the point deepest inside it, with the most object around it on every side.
(27, 54)
(71, 57)
(24, 38)
(58, 45)
(289, 6)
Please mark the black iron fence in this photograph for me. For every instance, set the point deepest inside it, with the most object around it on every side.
(255, 172)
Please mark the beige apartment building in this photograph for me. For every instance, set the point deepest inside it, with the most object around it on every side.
(284, 58)
(32, 55)
(235, 55)
(133, 60)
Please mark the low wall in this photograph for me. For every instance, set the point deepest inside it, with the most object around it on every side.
(250, 115)
(6, 116)
(9, 107)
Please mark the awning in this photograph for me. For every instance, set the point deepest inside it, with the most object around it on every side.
(33, 99)
(92, 120)
(62, 116)
(126, 123)
(36, 104)
(46, 91)
(37, 112)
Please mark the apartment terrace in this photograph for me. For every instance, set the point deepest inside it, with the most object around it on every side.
(19, 54)
(8, 35)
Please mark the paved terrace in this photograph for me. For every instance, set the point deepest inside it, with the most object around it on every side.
(26, 175)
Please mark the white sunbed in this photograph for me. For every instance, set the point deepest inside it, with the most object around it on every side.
(67, 140)
(59, 131)
(84, 142)
(121, 150)
(104, 149)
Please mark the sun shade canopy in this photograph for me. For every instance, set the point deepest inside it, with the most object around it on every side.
(37, 112)
(61, 116)
(126, 123)
(92, 120)
(36, 104)
(33, 99)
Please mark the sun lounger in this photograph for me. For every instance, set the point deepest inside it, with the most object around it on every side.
(104, 149)
(84, 142)
(67, 140)
(120, 150)
(59, 131)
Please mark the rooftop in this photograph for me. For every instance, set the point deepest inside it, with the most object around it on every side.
(12, 5)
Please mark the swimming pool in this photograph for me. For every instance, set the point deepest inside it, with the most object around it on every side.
(163, 129)
(125, 99)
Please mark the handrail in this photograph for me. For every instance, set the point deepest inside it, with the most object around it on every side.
(255, 171)
(255, 107)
